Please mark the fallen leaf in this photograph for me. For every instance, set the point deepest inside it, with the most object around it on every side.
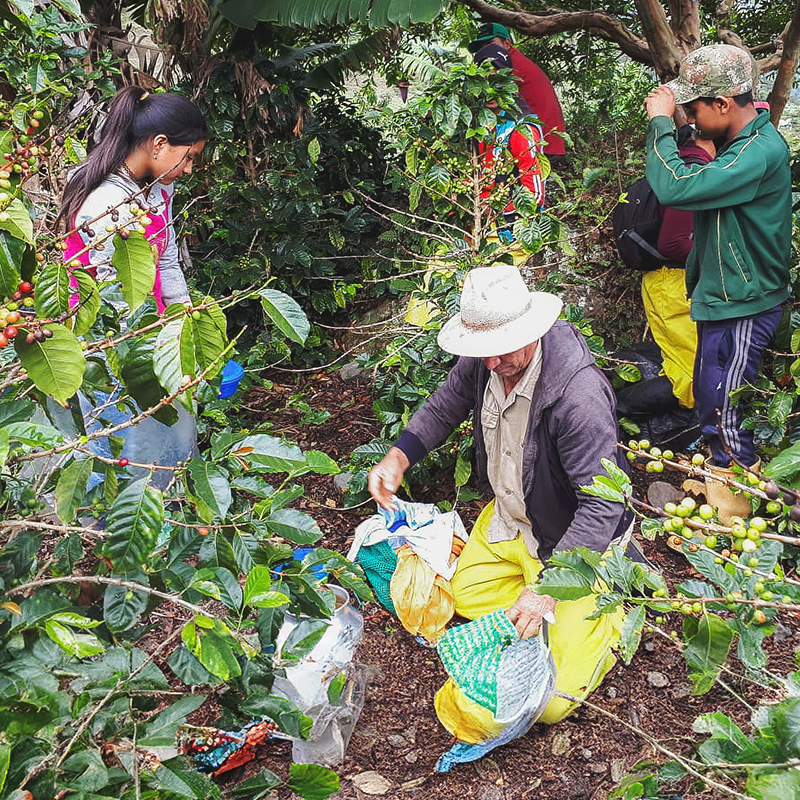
(371, 783)
(561, 744)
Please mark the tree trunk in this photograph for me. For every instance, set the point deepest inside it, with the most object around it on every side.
(661, 39)
(788, 66)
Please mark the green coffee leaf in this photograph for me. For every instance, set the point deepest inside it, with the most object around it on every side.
(632, 633)
(52, 290)
(80, 645)
(312, 782)
(160, 730)
(213, 648)
(122, 606)
(55, 365)
(89, 301)
(209, 483)
(70, 490)
(294, 525)
(708, 641)
(134, 523)
(19, 223)
(168, 362)
(208, 336)
(286, 314)
(86, 771)
(12, 251)
(136, 268)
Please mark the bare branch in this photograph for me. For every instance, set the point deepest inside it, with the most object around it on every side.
(600, 23)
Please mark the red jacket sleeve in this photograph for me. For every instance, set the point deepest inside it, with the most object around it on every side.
(524, 150)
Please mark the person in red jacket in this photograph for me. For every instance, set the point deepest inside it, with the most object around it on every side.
(534, 85)
(522, 140)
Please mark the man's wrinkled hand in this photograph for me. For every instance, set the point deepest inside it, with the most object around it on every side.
(528, 611)
(386, 476)
(660, 102)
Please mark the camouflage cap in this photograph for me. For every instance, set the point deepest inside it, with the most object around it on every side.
(713, 71)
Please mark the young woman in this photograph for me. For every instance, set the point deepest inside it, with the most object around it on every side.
(148, 142)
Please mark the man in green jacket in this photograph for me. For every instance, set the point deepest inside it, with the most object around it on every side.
(737, 274)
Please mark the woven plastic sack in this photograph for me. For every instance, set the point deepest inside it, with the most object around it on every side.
(423, 600)
(492, 672)
(379, 562)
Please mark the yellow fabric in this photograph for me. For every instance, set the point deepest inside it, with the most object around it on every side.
(518, 253)
(422, 599)
(421, 310)
(492, 576)
(667, 309)
(465, 719)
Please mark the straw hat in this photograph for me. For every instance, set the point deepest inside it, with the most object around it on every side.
(498, 314)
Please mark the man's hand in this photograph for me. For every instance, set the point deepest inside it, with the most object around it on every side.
(660, 102)
(386, 476)
(527, 612)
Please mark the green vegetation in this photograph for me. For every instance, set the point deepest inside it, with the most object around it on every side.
(313, 206)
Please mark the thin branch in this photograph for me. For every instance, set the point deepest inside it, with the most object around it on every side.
(111, 692)
(138, 587)
(688, 764)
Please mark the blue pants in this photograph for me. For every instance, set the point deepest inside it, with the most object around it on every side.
(729, 354)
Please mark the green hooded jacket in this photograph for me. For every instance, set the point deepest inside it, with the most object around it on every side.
(742, 203)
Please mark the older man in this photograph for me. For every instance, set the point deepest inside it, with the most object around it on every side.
(544, 419)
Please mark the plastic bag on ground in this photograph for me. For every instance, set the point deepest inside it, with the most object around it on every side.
(326, 685)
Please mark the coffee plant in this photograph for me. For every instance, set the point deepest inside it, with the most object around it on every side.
(744, 581)
(133, 591)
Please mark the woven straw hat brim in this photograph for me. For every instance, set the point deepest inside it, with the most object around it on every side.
(461, 340)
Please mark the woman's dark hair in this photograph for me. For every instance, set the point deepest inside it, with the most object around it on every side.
(134, 117)
(685, 134)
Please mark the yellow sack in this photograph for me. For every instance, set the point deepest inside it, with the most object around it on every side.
(668, 311)
(465, 719)
(423, 600)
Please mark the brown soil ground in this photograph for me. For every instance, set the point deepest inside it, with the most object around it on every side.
(398, 735)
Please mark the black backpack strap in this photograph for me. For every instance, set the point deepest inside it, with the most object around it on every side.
(648, 248)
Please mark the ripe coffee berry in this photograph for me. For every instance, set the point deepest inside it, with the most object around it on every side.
(123, 462)
(25, 287)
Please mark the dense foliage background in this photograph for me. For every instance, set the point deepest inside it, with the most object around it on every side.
(333, 218)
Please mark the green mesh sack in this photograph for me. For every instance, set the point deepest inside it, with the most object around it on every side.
(471, 655)
(379, 562)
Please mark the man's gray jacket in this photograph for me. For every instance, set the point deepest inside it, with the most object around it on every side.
(571, 427)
